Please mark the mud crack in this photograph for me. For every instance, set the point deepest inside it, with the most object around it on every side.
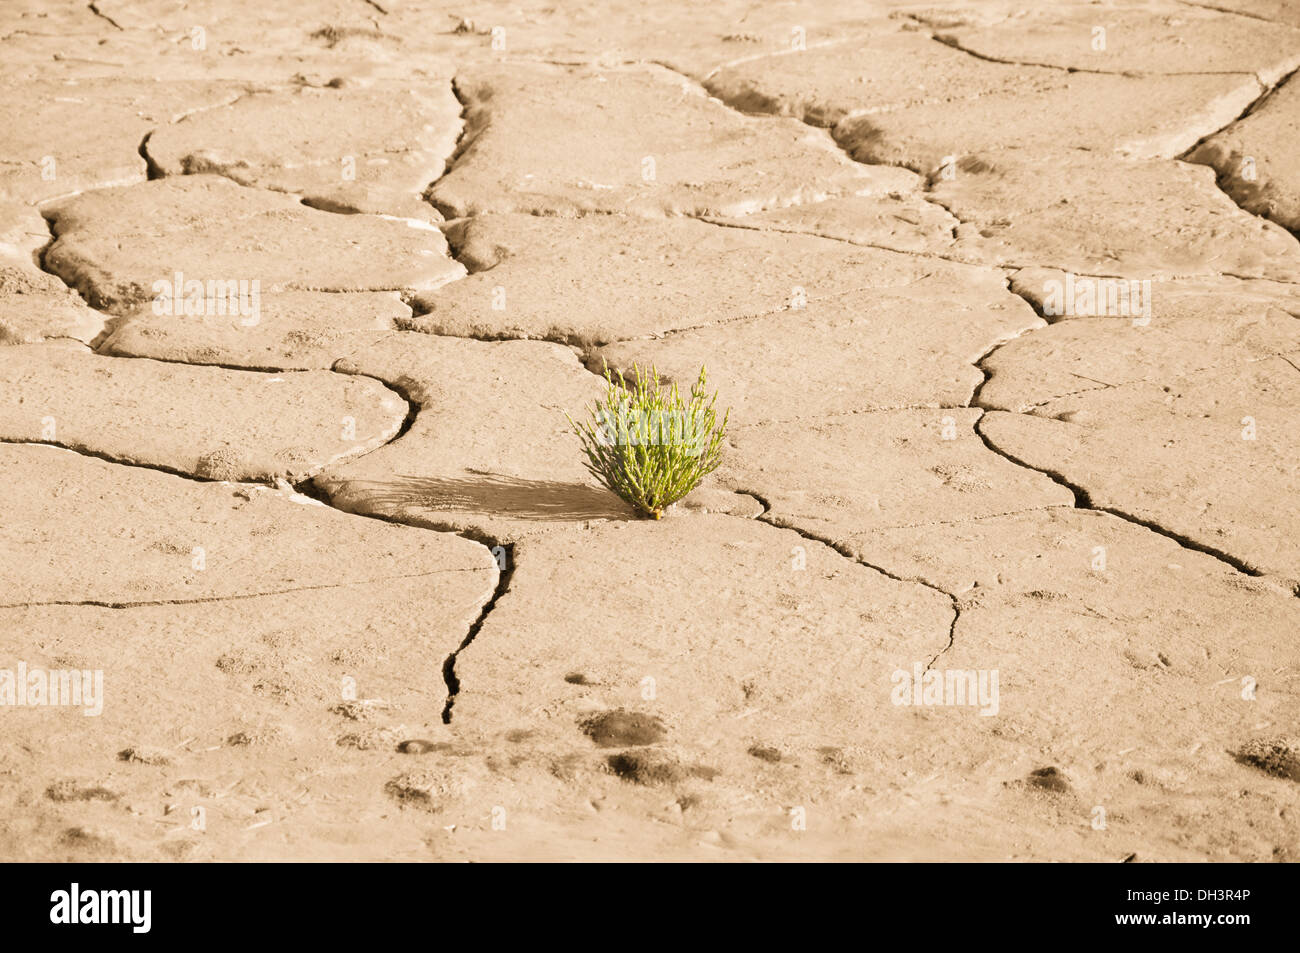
(506, 553)
(843, 550)
(94, 8)
(1082, 499)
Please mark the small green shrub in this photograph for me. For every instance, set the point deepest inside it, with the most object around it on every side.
(649, 445)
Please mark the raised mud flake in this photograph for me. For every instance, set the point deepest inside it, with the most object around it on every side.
(123, 248)
(604, 278)
(372, 148)
(1255, 157)
(35, 305)
(222, 464)
(637, 140)
(211, 422)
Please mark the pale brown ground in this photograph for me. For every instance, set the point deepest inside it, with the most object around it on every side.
(457, 213)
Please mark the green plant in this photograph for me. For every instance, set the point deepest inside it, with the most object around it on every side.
(649, 445)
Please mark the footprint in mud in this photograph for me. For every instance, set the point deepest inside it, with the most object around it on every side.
(421, 746)
(70, 789)
(652, 767)
(144, 754)
(688, 801)
(566, 768)
(1279, 757)
(87, 839)
(764, 753)
(836, 759)
(428, 790)
(623, 729)
(370, 738)
(1049, 779)
(363, 709)
(255, 736)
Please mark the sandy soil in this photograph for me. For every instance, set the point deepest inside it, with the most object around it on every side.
(1002, 559)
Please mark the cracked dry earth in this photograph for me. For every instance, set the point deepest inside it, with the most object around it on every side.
(354, 596)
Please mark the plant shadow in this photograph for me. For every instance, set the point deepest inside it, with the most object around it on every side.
(503, 496)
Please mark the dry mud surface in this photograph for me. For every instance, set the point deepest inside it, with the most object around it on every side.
(294, 299)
